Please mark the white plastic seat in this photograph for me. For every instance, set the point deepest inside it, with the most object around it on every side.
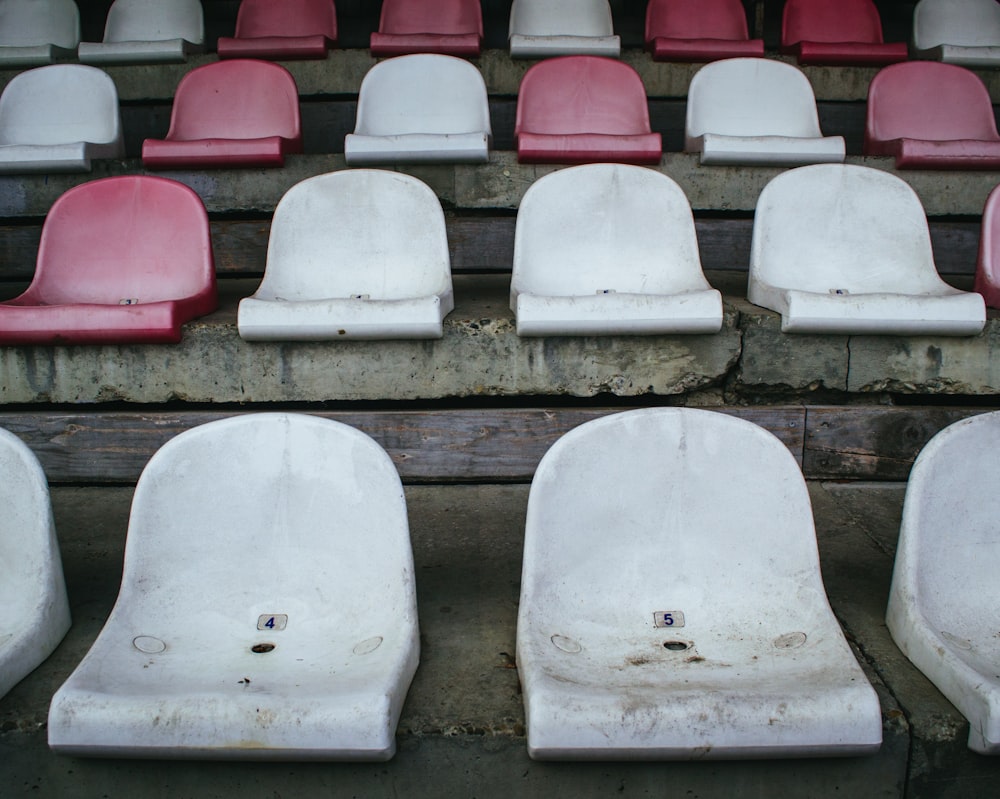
(756, 111)
(148, 31)
(37, 32)
(944, 595)
(421, 108)
(267, 608)
(32, 591)
(543, 28)
(963, 32)
(846, 250)
(671, 600)
(606, 249)
(358, 254)
(58, 118)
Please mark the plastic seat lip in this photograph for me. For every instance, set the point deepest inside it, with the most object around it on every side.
(789, 151)
(387, 45)
(667, 49)
(266, 151)
(971, 57)
(534, 46)
(417, 148)
(159, 51)
(275, 48)
(38, 55)
(848, 54)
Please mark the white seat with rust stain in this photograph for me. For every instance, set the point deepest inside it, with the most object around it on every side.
(147, 32)
(422, 108)
(845, 249)
(671, 600)
(32, 591)
(37, 32)
(58, 119)
(267, 607)
(544, 28)
(963, 32)
(356, 254)
(757, 112)
(606, 249)
(943, 602)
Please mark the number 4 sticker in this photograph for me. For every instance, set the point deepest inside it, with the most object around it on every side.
(272, 621)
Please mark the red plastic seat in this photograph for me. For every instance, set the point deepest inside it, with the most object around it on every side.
(837, 32)
(448, 27)
(583, 109)
(286, 30)
(230, 114)
(931, 115)
(699, 30)
(988, 265)
(121, 260)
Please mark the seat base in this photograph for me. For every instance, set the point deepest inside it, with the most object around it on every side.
(587, 148)
(38, 55)
(664, 49)
(274, 48)
(522, 46)
(955, 154)
(767, 150)
(971, 57)
(427, 148)
(392, 44)
(156, 52)
(268, 151)
(848, 54)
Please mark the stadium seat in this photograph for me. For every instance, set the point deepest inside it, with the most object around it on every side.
(267, 608)
(356, 254)
(944, 595)
(121, 260)
(580, 109)
(37, 32)
(544, 28)
(699, 30)
(963, 32)
(147, 32)
(846, 250)
(235, 113)
(421, 108)
(671, 600)
(988, 264)
(281, 31)
(837, 33)
(755, 111)
(609, 249)
(446, 27)
(35, 608)
(57, 119)
(931, 116)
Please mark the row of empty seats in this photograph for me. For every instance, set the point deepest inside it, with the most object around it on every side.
(600, 249)
(434, 108)
(834, 32)
(678, 637)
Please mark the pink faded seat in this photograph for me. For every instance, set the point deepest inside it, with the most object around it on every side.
(837, 32)
(230, 114)
(988, 264)
(699, 30)
(583, 109)
(288, 30)
(931, 116)
(448, 27)
(121, 260)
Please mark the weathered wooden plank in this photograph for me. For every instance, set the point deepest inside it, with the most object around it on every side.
(865, 443)
(427, 446)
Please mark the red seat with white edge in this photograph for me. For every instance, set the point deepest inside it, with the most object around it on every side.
(837, 32)
(988, 264)
(235, 113)
(447, 27)
(931, 115)
(288, 30)
(582, 109)
(121, 260)
(699, 30)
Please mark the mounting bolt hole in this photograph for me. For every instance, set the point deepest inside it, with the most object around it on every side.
(675, 646)
(260, 649)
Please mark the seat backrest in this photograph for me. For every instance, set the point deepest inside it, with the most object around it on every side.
(605, 226)
(154, 21)
(241, 98)
(855, 21)
(968, 23)
(441, 16)
(929, 100)
(833, 227)
(714, 495)
(560, 18)
(24, 23)
(294, 510)
(59, 104)
(129, 237)
(422, 93)
(260, 18)
(356, 232)
(751, 97)
(696, 19)
(582, 94)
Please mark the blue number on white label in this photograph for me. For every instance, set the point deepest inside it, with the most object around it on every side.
(668, 618)
(269, 623)
(272, 621)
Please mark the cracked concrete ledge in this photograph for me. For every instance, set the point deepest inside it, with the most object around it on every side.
(482, 355)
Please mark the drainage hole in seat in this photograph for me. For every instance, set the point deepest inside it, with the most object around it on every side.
(675, 646)
(260, 649)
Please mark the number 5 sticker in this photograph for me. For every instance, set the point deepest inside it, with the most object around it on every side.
(668, 618)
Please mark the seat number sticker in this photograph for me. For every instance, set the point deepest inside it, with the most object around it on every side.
(668, 618)
(272, 621)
